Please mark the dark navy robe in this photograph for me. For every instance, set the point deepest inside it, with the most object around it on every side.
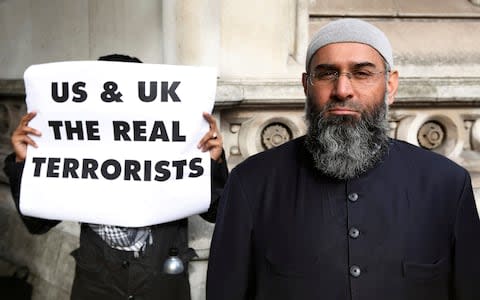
(407, 229)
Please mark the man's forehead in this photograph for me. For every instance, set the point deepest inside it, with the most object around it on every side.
(346, 53)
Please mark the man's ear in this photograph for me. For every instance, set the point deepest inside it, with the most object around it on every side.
(305, 83)
(392, 86)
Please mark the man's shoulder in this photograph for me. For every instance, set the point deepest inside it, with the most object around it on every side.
(282, 156)
(423, 159)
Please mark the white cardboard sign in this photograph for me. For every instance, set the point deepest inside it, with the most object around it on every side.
(119, 142)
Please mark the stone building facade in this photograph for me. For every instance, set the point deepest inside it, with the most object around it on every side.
(259, 50)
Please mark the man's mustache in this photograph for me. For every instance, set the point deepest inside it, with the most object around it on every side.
(333, 104)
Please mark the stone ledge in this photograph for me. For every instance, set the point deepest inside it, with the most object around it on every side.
(392, 8)
(11, 87)
(413, 91)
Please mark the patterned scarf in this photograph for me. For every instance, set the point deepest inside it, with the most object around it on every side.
(124, 238)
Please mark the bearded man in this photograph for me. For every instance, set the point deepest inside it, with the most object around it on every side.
(345, 212)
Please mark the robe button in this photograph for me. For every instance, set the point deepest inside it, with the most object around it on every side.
(353, 197)
(355, 271)
(354, 233)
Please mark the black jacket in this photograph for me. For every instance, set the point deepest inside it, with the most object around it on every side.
(407, 229)
(105, 273)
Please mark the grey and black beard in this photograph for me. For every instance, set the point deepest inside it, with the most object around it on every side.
(344, 147)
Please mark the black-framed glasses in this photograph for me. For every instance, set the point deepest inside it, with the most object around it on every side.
(357, 77)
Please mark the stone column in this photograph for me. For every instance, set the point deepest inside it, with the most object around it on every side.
(301, 31)
(192, 32)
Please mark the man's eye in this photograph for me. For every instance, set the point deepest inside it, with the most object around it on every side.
(362, 74)
(326, 75)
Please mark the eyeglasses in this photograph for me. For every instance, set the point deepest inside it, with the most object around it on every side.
(357, 78)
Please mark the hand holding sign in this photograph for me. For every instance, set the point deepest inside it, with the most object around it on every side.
(212, 141)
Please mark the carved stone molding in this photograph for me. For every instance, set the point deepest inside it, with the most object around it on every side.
(247, 131)
(275, 134)
(452, 132)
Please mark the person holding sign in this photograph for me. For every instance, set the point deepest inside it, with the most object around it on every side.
(115, 262)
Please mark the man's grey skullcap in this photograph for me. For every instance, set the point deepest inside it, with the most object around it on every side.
(350, 30)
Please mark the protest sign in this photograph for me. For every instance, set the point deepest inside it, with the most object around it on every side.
(119, 142)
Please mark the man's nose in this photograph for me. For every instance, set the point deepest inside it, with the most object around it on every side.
(343, 88)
